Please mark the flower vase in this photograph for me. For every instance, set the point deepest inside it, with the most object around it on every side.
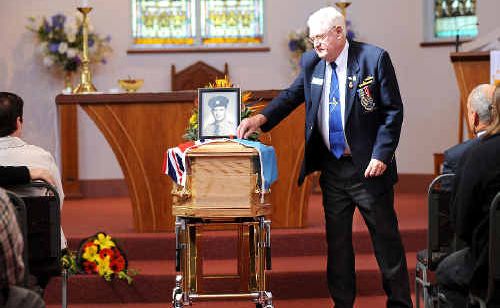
(68, 82)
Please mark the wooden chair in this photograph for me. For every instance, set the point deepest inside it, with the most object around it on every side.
(438, 163)
(195, 76)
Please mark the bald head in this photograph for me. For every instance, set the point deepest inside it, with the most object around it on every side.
(479, 101)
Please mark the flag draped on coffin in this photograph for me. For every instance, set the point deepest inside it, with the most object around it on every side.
(174, 163)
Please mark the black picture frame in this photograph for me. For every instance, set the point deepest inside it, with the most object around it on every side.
(218, 112)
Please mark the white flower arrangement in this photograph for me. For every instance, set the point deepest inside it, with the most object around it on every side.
(61, 44)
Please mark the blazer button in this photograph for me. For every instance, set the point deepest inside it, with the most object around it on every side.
(310, 127)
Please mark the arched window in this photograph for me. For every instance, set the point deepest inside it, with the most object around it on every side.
(197, 23)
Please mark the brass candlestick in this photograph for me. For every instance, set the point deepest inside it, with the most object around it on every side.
(342, 5)
(85, 85)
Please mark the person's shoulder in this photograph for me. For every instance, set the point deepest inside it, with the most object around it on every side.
(366, 48)
(310, 58)
(459, 149)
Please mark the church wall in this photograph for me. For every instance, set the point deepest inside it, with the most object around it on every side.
(425, 75)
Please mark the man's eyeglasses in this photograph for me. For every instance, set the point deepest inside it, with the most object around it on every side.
(321, 37)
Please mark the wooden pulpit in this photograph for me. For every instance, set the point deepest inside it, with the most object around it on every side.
(471, 69)
(140, 127)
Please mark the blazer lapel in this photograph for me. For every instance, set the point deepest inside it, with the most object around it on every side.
(352, 82)
(317, 90)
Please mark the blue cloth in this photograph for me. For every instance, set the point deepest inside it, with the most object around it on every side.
(268, 166)
(337, 143)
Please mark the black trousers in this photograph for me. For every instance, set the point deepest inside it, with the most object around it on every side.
(343, 190)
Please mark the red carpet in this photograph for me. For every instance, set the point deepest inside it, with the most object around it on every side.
(298, 275)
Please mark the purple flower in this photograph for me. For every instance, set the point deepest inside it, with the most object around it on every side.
(91, 42)
(104, 61)
(58, 21)
(108, 39)
(53, 47)
(293, 45)
(46, 26)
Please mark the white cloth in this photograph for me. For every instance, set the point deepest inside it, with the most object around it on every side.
(16, 152)
(323, 110)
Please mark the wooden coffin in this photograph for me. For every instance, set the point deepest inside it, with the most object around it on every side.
(223, 180)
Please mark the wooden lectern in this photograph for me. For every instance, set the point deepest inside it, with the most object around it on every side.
(471, 69)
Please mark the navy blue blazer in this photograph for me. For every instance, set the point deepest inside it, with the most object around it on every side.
(373, 116)
(453, 155)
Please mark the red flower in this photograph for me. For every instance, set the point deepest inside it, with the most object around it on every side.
(117, 264)
(89, 267)
(106, 252)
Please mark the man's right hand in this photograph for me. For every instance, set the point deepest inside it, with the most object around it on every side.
(250, 125)
(41, 174)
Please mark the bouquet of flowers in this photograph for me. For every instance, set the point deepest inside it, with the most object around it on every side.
(247, 109)
(298, 43)
(99, 254)
(61, 44)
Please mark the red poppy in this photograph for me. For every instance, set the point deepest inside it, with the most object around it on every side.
(106, 252)
(89, 267)
(117, 264)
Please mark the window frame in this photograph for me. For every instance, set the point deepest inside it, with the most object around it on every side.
(198, 46)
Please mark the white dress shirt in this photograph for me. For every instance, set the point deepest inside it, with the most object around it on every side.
(324, 111)
(16, 152)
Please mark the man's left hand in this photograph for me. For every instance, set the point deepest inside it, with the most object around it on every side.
(375, 168)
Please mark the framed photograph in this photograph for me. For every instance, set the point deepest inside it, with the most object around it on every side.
(218, 112)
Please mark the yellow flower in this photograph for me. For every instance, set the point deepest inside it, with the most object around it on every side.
(90, 253)
(193, 119)
(103, 266)
(246, 96)
(104, 241)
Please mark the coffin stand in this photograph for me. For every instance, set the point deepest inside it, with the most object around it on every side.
(222, 191)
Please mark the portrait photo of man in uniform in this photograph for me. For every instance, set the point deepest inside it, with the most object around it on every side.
(219, 113)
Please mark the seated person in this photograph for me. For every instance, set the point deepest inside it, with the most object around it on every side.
(221, 125)
(477, 183)
(17, 175)
(479, 117)
(11, 261)
(15, 152)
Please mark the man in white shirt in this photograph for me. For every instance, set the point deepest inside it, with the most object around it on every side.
(16, 152)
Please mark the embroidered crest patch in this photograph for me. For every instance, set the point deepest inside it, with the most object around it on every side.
(366, 98)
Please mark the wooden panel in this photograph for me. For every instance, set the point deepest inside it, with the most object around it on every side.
(69, 142)
(471, 69)
(140, 128)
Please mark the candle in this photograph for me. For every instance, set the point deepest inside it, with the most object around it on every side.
(84, 3)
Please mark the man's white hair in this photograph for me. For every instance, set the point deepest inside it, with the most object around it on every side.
(480, 99)
(326, 18)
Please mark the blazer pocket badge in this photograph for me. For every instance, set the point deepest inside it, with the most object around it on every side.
(366, 82)
(317, 81)
(366, 98)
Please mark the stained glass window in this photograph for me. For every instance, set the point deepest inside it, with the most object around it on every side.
(164, 23)
(455, 17)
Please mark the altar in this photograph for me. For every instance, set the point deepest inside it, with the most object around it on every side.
(139, 130)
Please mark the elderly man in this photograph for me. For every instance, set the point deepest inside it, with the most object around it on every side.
(479, 116)
(477, 183)
(353, 120)
(16, 152)
(221, 125)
